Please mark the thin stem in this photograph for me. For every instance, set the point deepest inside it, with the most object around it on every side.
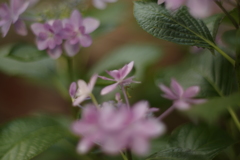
(70, 69)
(129, 154)
(234, 117)
(123, 155)
(232, 61)
(227, 14)
(94, 101)
(125, 96)
(166, 113)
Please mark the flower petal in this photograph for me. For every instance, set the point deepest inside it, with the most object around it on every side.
(99, 4)
(5, 28)
(76, 19)
(191, 91)
(108, 88)
(90, 24)
(55, 53)
(176, 88)
(20, 27)
(79, 100)
(140, 145)
(168, 92)
(85, 145)
(140, 110)
(73, 89)
(126, 69)
(85, 40)
(174, 4)
(18, 7)
(37, 28)
(161, 1)
(70, 49)
(181, 105)
(92, 82)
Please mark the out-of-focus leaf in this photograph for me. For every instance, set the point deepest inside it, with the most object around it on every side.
(232, 38)
(26, 53)
(191, 142)
(142, 55)
(109, 18)
(213, 23)
(214, 108)
(5, 50)
(214, 74)
(24, 138)
(178, 27)
(38, 69)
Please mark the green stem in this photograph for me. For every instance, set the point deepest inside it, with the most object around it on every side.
(234, 117)
(70, 69)
(123, 155)
(94, 101)
(232, 61)
(227, 14)
(129, 154)
(125, 96)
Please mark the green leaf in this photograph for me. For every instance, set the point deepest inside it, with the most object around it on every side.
(26, 53)
(214, 74)
(213, 23)
(141, 54)
(179, 27)
(213, 108)
(191, 142)
(25, 138)
(38, 69)
(107, 17)
(5, 50)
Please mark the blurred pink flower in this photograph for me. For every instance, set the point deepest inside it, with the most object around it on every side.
(84, 90)
(101, 4)
(181, 99)
(49, 36)
(77, 31)
(10, 15)
(117, 128)
(197, 8)
(119, 77)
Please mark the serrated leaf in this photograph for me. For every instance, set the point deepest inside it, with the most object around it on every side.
(190, 142)
(25, 138)
(213, 108)
(214, 74)
(179, 27)
(26, 53)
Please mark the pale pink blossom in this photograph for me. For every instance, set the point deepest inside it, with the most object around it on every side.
(182, 99)
(82, 91)
(197, 8)
(117, 128)
(119, 76)
(11, 15)
(101, 4)
(77, 31)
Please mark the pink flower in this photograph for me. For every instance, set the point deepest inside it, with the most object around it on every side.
(181, 99)
(116, 129)
(101, 4)
(84, 90)
(119, 77)
(49, 36)
(198, 8)
(77, 31)
(10, 15)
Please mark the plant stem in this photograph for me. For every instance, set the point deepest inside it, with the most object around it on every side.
(123, 155)
(227, 14)
(70, 69)
(125, 96)
(234, 117)
(166, 113)
(94, 101)
(129, 154)
(232, 61)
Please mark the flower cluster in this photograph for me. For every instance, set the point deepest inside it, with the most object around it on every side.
(73, 32)
(198, 8)
(11, 15)
(116, 129)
